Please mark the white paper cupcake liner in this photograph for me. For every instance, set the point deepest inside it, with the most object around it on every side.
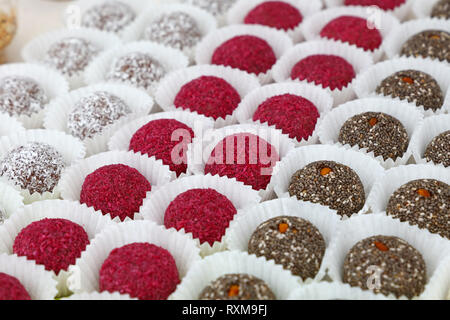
(85, 274)
(93, 222)
(278, 41)
(59, 110)
(10, 200)
(200, 149)
(240, 195)
(422, 8)
(97, 296)
(280, 281)
(433, 248)
(366, 82)
(9, 125)
(247, 220)
(240, 10)
(406, 113)
(321, 99)
(359, 59)
(70, 148)
(204, 20)
(170, 59)
(36, 50)
(365, 167)
(38, 282)
(384, 22)
(430, 128)
(333, 291)
(52, 82)
(392, 45)
(170, 86)
(401, 12)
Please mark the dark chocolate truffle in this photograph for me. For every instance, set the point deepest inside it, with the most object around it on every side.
(275, 14)
(12, 289)
(35, 166)
(111, 16)
(423, 202)
(293, 242)
(441, 10)
(413, 86)
(330, 184)
(71, 55)
(21, 96)
(382, 4)
(215, 7)
(403, 268)
(438, 150)
(376, 131)
(434, 44)
(237, 286)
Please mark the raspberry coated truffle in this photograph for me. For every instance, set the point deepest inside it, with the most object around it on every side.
(294, 115)
(403, 269)
(34, 166)
(293, 242)
(432, 44)
(246, 157)
(438, 150)
(329, 71)
(237, 286)
(12, 289)
(205, 213)
(54, 243)
(382, 4)
(117, 189)
(159, 138)
(353, 30)
(21, 96)
(248, 53)
(208, 95)
(93, 113)
(441, 10)
(142, 270)
(275, 14)
(111, 16)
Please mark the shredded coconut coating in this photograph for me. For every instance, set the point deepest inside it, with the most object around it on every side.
(215, 7)
(111, 16)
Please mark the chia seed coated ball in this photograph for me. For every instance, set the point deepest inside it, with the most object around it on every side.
(215, 7)
(93, 113)
(247, 53)
(386, 5)
(117, 189)
(294, 115)
(237, 286)
(142, 270)
(12, 289)
(137, 69)
(330, 184)
(176, 30)
(205, 213)
(329, 71)
(159, 138)
(423, 202)
(250, 160)
(434, 44)
(21, 96)
(71, 55)
(275, 14)
(376, 131)
(441, 10)
(353, 30)
(293, 242)
(402, 266)
(208, 95)
(413, 86)
(35, 166)
(54, 243)
(438, 150)
(111, 16)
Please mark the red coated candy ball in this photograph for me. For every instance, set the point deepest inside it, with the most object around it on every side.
(54, 243)
(142, 270)
(275, 14)
(167, 140)
(382, 4)
(12, 289)
(115, 189)
(203, 212)
(353, 30)
(208, 95)
(294, 115)
(246, 157)
(247, 53)
(327, 70)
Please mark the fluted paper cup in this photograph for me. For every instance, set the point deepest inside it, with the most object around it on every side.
(333, 291)
(9, 125)
(97, 296)
(10, 201)
(423, 8)
(401, 12)
(214, 9)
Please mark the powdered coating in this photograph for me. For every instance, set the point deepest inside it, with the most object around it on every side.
(111, 16)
